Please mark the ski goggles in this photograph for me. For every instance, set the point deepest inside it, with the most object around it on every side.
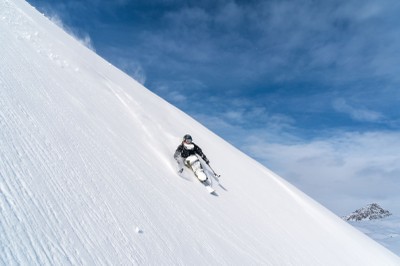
(188, 141)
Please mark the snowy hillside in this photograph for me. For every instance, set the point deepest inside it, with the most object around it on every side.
(379, 224)
(385, 231)
(87, 175)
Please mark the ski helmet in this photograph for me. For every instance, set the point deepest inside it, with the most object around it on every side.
(187, 138)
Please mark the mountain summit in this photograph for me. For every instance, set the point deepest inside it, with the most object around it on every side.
(370, 212)
(87, 175)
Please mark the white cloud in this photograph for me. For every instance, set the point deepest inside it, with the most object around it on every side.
(235, 115)
(170, 94)
(176, 96)
(359, 114)
(350, 167)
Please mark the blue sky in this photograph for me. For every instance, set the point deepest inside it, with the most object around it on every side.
(308, 88)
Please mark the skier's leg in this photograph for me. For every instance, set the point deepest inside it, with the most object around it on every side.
(201, 175)
(188, 163)
(196, 168)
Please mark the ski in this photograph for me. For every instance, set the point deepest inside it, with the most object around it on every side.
(209, 189)
(206, 184)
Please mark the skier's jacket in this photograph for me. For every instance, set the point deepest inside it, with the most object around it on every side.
(185, 150)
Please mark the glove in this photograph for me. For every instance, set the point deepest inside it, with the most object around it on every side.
(180, 170)
(206, 160)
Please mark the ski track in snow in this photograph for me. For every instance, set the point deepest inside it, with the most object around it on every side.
(87, 175)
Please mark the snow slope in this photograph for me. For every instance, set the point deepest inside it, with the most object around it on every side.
(87, 175)
(385, 231)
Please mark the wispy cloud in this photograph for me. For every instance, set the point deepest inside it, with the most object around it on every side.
(172, 95)
(350, 167)
(360, 114)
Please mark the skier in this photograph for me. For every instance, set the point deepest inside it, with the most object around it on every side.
(186, 153)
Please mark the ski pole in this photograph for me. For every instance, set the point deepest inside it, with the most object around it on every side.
(217, 175)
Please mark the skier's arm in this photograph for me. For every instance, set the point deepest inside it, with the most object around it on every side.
(178, 158)
(201, 154)
(177, 153)
(205, 159)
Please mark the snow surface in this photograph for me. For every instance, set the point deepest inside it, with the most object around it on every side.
(385, 231)
(87, 175)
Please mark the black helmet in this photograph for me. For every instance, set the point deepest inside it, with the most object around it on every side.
(187, 138)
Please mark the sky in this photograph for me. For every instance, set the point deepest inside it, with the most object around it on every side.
(307, 88)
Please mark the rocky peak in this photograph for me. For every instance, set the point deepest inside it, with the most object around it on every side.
(370, 212)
